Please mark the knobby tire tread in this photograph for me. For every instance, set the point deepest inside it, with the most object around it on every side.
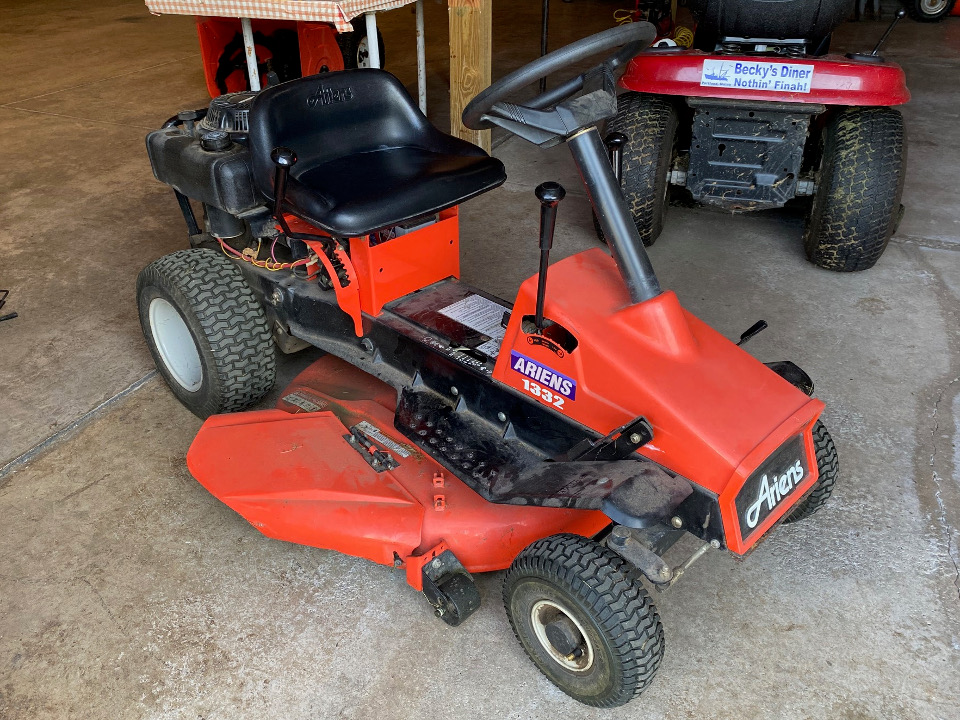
(828, 465)
(650, 124)
(857, 201)
(612, 589)
(233, 322)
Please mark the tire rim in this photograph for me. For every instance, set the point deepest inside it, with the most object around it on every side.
(175, 344)
(932, 7)
(363, 53)
(544, 612)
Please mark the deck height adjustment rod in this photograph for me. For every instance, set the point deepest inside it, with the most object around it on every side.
(549, 194)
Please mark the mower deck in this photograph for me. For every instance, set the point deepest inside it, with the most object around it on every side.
(294, 475)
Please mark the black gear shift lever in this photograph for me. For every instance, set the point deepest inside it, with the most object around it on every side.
(549, 194)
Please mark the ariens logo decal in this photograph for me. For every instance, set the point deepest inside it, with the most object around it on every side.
(773, 490)
(326, 96)
(547, 377)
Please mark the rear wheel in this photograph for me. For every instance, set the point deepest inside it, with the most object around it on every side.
(928, 10)
(857, 201)
(207, 332)
(585, 619)
(828, 466)
(355, 48)
(650, 124)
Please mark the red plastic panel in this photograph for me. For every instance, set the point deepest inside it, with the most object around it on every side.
(400, 266)
(836, 79)
(716, 411)
(735, 541)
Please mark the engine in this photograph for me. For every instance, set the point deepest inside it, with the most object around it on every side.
(204, 156)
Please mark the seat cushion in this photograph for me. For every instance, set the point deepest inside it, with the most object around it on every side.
(357, 194)
(368, 158)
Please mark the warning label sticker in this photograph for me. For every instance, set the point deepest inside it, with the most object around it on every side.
(482, 315)
(373, 432)
(754, 75)
(303, 401)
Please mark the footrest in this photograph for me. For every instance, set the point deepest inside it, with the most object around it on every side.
(472, 449)
(504, 469)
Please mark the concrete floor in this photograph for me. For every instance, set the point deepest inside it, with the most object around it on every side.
(128, 592)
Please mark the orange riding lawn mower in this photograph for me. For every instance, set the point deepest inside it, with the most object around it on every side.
(569, 437)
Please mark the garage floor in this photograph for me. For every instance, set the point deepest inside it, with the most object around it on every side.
(128, 592)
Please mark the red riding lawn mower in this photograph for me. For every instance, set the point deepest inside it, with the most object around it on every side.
(569, 437)
(757, 115)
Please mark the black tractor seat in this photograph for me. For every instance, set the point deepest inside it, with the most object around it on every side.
(367, 158)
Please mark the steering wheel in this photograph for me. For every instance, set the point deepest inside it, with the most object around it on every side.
(543, 127)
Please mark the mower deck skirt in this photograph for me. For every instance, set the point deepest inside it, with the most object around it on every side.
(294, 476)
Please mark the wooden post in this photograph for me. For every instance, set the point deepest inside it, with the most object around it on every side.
(471, 50)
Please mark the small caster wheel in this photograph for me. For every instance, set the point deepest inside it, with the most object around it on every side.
(450, 589)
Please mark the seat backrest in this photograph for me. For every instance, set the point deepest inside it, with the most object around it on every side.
(327, 116)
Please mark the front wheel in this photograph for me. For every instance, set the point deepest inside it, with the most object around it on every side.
(828, 467)
(650, 124)
(584, 618)
(857, 201)
(207, 332)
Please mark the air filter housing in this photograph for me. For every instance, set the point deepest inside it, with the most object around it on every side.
(230, 112)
